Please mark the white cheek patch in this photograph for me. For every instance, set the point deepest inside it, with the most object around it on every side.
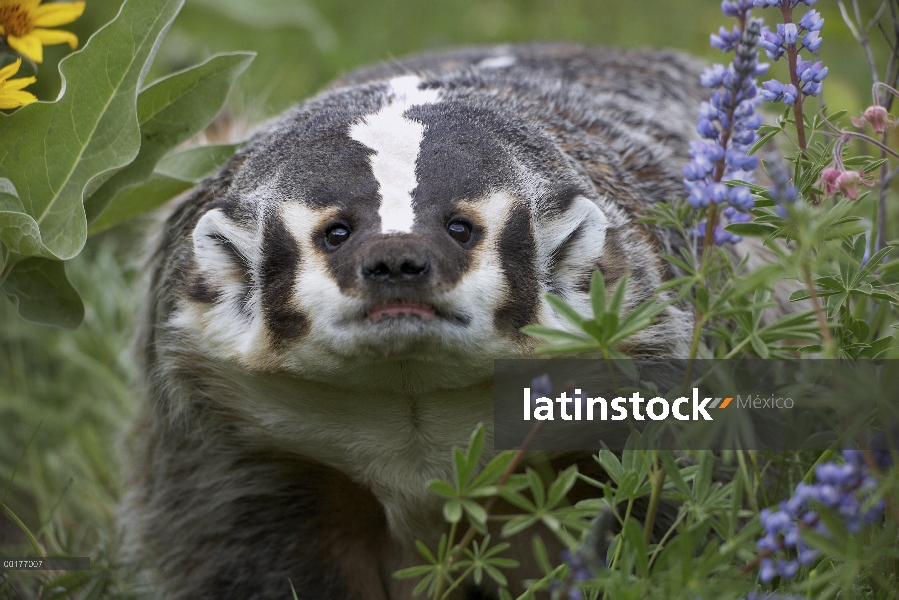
(484, 288)
(396, 141)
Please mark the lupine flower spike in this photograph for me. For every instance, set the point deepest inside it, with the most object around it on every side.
(727, 123)
(847, 489)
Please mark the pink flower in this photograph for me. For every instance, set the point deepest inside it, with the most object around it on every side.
(877, 116)
(848, 182)
(829, 178)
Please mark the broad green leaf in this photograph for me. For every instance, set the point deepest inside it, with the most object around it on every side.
(553, 335)
(18, 231)
(134, 201)
(269, 14)
(170, 112)
(176, 173)
(42, 293)
(195, 164)
(51, 151)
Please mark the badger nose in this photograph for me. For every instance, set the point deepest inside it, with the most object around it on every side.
(396, 259)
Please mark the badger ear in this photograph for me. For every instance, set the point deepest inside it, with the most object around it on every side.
(572, 245)
(225, 255)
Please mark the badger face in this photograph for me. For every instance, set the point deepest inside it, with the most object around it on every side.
(397, 224)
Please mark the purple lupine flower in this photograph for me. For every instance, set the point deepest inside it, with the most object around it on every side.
(783, 191)
(725, 40)
(727, 122)
(541, 387)
(806, 34)
(779, 3)
(812, 40)
(811, 21)
(789, 32)
(772, 43)
(846, 488)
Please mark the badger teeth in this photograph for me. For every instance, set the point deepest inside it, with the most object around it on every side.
(400, 308)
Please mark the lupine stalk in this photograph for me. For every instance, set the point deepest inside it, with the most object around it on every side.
(805, 77)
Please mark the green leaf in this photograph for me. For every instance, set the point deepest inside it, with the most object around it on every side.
(633, 533)
(170, 112)
(52, 151)
(598, 294)
(616, 302)
(537, 488)
(475, 512)
(452, 511)
(18, 231)
(562, 307)
(759, 346)
(176, 173)
(42, 293)
(673, 472)
(197, 163)
(762, 141)
(553, 335)
(751, 229)
(438, 486)
(134, 201)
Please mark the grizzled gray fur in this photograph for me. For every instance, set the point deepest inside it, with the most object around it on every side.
(322, 315)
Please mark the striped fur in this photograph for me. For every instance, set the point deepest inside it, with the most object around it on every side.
(300, 394)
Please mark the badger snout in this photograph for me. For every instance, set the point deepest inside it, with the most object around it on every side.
(396, 259)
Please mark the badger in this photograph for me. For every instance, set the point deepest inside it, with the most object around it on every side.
(323, 314)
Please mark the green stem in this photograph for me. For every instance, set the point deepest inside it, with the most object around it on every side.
(819, 311)
(665, 537)
(25, 530)
(654, 498)
(627, 515)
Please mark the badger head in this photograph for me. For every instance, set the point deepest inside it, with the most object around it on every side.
(402, 226)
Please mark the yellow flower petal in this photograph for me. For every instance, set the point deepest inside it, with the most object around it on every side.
(57, 13)
(10, 70)
(17, 84)
(48, 37)
(29, 45)
(15, 99)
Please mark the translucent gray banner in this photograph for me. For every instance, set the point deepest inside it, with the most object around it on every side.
(776, 405)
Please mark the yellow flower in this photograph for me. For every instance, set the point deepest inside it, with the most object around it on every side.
(11, 94)
(23, 22)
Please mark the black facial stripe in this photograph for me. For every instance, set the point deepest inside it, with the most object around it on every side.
(517, 249)
(201, 291)
(277, 273)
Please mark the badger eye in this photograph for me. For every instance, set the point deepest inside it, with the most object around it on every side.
(336, 234)
(460, 230)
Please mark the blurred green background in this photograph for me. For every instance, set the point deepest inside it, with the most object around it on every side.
(64, 396)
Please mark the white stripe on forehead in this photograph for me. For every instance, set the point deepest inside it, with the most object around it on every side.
(396, 141)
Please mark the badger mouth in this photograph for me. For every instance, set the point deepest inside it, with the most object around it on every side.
(400, 309)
